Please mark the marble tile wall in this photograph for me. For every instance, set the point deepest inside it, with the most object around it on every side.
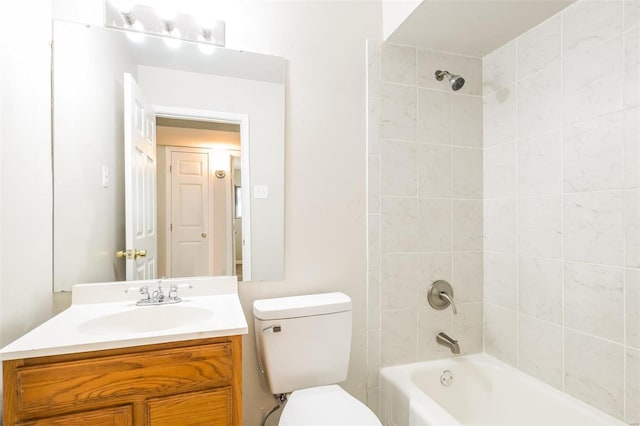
(562, 203)
(424, 205)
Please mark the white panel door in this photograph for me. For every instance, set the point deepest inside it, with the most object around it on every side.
(140, 183)
(190, 214)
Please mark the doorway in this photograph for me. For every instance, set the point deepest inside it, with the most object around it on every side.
(199, 171)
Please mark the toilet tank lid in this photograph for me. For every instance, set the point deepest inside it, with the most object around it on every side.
(301, 306)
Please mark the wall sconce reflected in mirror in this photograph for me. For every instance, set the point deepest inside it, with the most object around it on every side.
(220, 174)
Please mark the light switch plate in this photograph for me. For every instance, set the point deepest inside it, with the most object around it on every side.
(260, 191)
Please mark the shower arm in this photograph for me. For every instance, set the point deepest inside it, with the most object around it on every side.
(441, 74)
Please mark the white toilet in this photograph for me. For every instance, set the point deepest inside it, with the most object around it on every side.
(303, 347)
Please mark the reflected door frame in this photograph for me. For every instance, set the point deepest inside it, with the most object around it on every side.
(242, 120)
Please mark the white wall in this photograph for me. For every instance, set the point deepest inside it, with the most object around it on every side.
(394, 12)
(25, 169)
(324, 45)
(562, 204)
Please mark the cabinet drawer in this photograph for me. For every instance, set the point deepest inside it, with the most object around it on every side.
(114, 378)
(201, 408)
(117, 416)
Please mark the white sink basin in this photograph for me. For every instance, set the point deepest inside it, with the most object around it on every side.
(103, 316)
(145, 319)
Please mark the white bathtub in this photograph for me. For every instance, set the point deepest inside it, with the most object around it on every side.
(483, 391)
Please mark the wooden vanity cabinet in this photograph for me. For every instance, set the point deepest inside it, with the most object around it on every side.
(196, 382)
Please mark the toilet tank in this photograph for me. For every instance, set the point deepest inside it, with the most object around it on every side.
(303, 341)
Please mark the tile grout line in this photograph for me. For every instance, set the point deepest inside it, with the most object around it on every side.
(517, 203)
(562, 201)
(451, 177)
(378, 289)
(417, 164)
(624, 234)
(484, 299)
(367, 217)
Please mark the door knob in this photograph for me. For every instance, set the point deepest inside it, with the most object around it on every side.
(204, 235)
(131, 254)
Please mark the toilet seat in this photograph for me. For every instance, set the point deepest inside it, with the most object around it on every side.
(326, 405)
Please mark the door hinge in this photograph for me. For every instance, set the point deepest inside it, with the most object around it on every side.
(170, 168)
(171, 227)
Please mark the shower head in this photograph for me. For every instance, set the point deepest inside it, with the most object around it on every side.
(456, 81)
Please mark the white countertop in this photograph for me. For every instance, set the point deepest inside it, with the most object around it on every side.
(100, 315)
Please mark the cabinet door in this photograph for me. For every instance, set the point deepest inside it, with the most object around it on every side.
(114, 380)
(198, 408)
(117, 416)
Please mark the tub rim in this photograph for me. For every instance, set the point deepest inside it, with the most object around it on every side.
(401, 377)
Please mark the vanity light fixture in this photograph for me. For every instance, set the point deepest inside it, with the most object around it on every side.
(167, 15)
(206, 34)
(141, 18)
(129, 18)
(173, 35)
(169, 26)
(125, 8)
(136, 30)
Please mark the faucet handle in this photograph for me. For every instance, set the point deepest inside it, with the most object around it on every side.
(144, 291)
(449, 300)
(441, 295)
(173, 291)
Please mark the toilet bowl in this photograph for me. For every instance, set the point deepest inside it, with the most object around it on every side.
(326, 406)
(304, 344)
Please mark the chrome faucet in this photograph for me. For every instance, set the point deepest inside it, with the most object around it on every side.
(157, 297)
(448, 342)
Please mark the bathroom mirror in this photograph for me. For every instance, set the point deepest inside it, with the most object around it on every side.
(224, 108)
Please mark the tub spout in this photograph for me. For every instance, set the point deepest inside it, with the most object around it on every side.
(448, 342)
